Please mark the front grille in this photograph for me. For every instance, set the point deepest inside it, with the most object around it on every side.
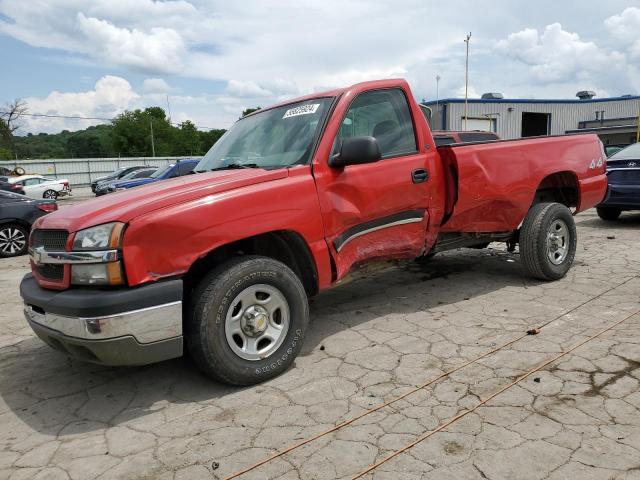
(626, 176)
(51, 272)
(51, 240)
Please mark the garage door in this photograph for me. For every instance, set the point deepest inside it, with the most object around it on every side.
(485, 124)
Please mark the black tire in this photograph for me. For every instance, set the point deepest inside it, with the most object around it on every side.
(609, 214)
(14, 240)
(206, 338)
(534, 244)
(50, 195)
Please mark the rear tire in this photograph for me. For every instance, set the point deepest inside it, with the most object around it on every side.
(247, 320)
(609, 214)
(13, 240)
(50, 195)
(548, 241)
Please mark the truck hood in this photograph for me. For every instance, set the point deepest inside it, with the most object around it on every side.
(126, 205)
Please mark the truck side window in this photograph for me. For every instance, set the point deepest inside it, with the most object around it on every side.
(443, 141)
(385, 115)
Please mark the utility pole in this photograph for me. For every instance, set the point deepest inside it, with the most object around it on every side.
(438, 96)
(466, 81)
(153, 148)
(168, 108)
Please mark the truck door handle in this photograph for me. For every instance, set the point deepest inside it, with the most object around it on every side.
(419, 175)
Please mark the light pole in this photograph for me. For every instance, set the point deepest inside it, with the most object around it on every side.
(153, 147)
(466, 81)
(438, 97)
(638, 127)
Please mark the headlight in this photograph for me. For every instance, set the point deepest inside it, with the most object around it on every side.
(101, 237)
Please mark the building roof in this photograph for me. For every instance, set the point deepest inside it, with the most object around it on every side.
(531, 100)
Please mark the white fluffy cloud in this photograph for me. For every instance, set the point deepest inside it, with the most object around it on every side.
(155, 85)
(157, 50)
(110, 96)
(558, 55)
(624, 29)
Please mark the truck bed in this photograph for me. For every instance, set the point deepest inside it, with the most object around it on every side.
(496, 182)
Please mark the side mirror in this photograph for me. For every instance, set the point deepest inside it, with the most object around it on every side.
(355, 151)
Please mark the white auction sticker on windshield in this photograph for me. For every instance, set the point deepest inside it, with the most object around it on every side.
(301, 110)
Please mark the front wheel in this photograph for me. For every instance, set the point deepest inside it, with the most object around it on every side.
(247, 320)
(548, 241)
(50, 195)
(608, 214)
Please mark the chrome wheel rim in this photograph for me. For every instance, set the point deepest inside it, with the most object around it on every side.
(557, 242)
(12, 240)
(257, 322)
(50, 194)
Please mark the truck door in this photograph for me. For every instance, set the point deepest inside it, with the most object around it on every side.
(378, 209)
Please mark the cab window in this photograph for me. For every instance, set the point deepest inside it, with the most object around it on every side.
(443, 140)
(384, 115)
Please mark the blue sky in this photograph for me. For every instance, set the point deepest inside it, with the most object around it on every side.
(213, 59)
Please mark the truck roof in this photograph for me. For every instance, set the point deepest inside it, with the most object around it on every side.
(386, 83)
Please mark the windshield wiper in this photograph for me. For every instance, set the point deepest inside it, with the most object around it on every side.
(235, 166)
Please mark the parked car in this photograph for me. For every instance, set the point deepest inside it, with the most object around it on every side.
(282, 207)
(448, 137)
(623, 174)
(17, 214)
(612, 149)
(37, 186)
(173, 170)
(11, 187)
(102, 188)
(115, 175)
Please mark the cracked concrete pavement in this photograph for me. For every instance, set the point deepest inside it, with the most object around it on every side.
(370, 340)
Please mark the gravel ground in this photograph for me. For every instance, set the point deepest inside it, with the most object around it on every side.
(370, 340)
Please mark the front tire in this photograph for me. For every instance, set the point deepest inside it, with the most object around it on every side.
(247, 320)
(548, 241)
(13, 240)
(50, 195)
(609, 214)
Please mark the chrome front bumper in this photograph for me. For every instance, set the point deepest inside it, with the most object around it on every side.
(152, 324)
(125, 326)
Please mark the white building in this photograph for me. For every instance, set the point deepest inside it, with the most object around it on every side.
(615, 119)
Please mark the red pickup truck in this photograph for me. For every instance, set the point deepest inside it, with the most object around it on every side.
(290, 199)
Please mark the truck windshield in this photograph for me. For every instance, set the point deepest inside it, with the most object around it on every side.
(278, 137)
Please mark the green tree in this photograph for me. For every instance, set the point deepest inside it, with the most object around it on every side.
(187, 140)
(247, 111)
(131, 133)
(207, 139)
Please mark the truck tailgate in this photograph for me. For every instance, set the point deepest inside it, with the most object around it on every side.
(497, 181)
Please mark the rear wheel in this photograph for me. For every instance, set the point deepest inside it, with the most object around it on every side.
(13, 240)
(247, 320)
(548, 241)
(50, 194)
(609, 214)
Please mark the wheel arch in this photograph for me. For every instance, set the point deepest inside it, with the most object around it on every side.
(16, 221)
(561, 187)
(286, 246)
